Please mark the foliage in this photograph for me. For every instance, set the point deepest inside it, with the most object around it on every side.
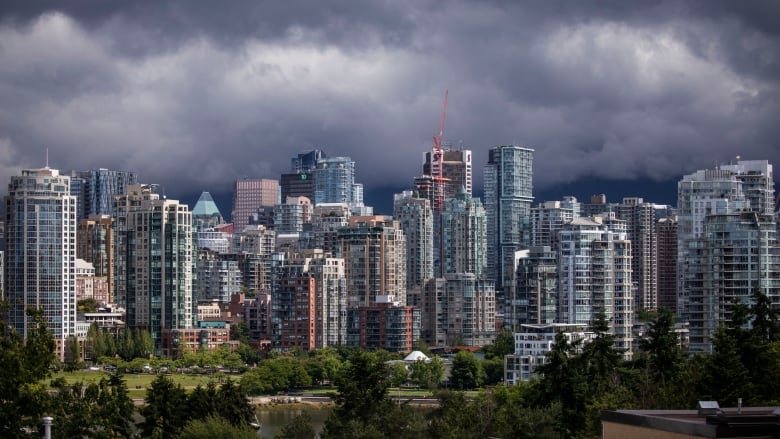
(298, 428)
(428, 374)
(163, 414)
(87, 305)
(504, 344)
(22, 396)
(216, 427)
(275, 374)
(467, 372)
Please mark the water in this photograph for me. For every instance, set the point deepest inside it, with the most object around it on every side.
(273, 418)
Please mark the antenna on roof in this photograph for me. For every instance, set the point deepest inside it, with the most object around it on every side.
(47, 158)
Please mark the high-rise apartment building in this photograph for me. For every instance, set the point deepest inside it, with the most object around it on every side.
(594, 272)
(219, 277)
(249, 195)
(95, 244)
(306, 161)
(386, 324)
(464, 236)
(292, 215)
(97, 189)
(456, 169)
(125, 204)
(40, 252)
(416, 219)
(374, 252)
(334, 182)
(666, 257)
(326, 220)
(640, 222)
(547, 220)
(508, 182)
(160, 268)
(534, 299)
(710, 207)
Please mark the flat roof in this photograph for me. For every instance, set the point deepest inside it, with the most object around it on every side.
(751, 422)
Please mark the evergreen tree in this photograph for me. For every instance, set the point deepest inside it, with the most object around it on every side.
(165, 410)
(467, 372)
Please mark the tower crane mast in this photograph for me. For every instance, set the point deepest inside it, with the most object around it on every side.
(438, 159)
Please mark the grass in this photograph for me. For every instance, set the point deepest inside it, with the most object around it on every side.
(138, 383)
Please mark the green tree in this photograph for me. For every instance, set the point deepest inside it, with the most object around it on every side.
(275, 374)
(601, 358)
(216, 427)
(202, 401)
(24, 365)
(240, 332)
(232, 404)
(427, 374)
(662, 348)
(87, 305)
(504, 344)
(398, 374)
(467, 372)
(165, 410)
(298, 428)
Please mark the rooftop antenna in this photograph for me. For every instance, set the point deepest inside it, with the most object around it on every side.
(47, 158)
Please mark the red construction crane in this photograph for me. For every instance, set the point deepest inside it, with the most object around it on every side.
(438, 159)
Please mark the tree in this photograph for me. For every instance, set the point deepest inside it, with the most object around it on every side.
(202, 402)
(427, 374)
(275, 374)
(662, 348)
(165, 410)
(232, 404)
(24, 365)
(398, 374)
(467, 372)
(240, 332)
(298, 428)
(600, 356)
(87, 305)
(504, 344)
(216, 427)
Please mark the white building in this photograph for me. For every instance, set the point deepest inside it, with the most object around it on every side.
(532, 345)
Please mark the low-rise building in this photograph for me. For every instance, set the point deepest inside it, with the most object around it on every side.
(532, 345)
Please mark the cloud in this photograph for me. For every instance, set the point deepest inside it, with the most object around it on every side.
(193, 96)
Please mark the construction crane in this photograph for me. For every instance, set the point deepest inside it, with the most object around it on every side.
(438, 159)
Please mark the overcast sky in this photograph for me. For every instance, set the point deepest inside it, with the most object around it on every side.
(195, 94)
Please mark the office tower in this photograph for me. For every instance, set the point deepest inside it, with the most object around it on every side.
(547, 220)
(640, 222)
(297, 185)
(456, 170)
(464, 234)
(102, 186)
(416, 219)
(535, 296)
(219, 277)
(292, 215)
(95, 244)
(744, 186)
(309, 301)
(666, 257)
(124, 205)
(205, 214)
(594, 275)
(160, 269)
(386, 324)
(374, 252)
(78, 183)
(508, 196)
(306, 161)
(249, 195)
(40, 252)
(326, 220)
(334, 182)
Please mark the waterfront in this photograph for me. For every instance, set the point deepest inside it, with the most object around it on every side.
(273, 418)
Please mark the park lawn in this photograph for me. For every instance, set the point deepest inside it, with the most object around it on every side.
(138, 383)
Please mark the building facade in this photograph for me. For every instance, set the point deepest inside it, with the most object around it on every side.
(415, 217)
(40, 253)
(249, 195)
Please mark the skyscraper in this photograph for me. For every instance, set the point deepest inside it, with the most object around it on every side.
(160, 269)
(640, 222)
(95, 244)
(456, 170)
(666, 257)
(464, 236)
(306, 161)
(249, 195)
(508, 196)
(40, 254)
(206, 214)
(374, 252)
(594, 272)
(416, 219)
(334, 182)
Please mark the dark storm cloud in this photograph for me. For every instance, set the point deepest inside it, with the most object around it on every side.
(195, 94)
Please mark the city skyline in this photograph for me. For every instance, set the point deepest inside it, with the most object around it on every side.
(193, 98)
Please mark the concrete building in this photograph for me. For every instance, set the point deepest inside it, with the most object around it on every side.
(249, 195)
(89, 286)
(533, 342)
(535, 295)
(456, 169)
(160, 268)
(206, 214)
(95, 244)
(386, 324)
(326, 220)
(415, 217)
(594, 274)
(459, 309)
(547, 220)
(292, 215)
(40, 252)
(334, 182)
(219, 277)
(99, 188)
(711, 207)
(464, 233)
(307, 160)
(374, 252)
(508, 192)
(640, 223)
(299, 184)
(666, 257)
